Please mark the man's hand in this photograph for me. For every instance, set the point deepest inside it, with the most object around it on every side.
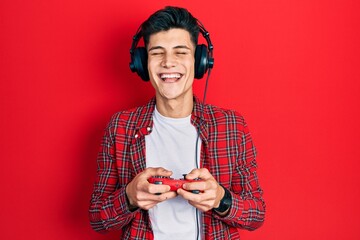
(211, 193)
(142, 194)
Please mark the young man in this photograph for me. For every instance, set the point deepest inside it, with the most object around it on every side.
(175, 134)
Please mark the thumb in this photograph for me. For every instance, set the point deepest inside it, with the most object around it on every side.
(160, 171)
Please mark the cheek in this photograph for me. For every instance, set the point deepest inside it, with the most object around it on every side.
(151, 67)
(190, 65)
(191, 68)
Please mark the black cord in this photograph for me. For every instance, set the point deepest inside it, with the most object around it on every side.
(202, 115)
(196, 148)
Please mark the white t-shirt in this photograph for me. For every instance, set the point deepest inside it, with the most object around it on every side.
(172, 145)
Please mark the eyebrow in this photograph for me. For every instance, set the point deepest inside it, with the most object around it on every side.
(176, 47)
(182, 46)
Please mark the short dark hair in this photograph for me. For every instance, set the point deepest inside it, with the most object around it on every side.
(168, 18)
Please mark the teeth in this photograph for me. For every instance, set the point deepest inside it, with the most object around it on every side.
(170, 75)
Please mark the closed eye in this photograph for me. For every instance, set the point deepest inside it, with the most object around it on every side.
(156, 53)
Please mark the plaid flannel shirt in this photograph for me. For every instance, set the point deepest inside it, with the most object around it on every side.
(227, 152)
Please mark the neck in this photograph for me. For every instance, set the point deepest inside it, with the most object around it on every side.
(175, 108)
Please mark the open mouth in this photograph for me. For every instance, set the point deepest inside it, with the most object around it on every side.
(170, 77)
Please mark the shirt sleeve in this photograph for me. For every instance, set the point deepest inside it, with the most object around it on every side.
(108, 206)
(248, 207)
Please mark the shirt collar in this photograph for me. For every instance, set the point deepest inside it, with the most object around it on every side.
(198, 119)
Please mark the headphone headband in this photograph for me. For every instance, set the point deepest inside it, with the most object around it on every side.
(136, 39)
(210, 46)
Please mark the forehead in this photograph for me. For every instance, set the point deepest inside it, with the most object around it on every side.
(170, 38)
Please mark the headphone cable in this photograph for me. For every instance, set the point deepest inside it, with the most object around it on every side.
(196, 147)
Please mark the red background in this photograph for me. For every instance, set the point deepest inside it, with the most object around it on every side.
(290, 67)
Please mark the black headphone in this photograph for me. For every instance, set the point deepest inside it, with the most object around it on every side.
(203, 56)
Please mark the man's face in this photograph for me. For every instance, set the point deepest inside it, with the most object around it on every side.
(171, 63)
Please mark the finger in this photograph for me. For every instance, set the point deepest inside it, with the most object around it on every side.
(150, 172)
(201, 201)
(189, 195)
(146, 205)
(201, 173)
(151, 199)
(158, 188)
(196, 185)
(203, 206)
(199, 198)
(195, 173)
(163, 197)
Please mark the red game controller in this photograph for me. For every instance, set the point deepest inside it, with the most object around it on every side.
(174, 184)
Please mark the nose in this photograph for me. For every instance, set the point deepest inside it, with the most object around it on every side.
(168, 61)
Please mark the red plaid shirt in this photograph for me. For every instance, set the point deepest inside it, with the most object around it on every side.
(227, 152)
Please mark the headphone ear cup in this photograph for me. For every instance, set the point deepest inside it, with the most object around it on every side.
(201, 60)
(139, 63)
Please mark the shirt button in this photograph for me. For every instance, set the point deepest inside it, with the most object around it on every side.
(148, 129)
(136, 135)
